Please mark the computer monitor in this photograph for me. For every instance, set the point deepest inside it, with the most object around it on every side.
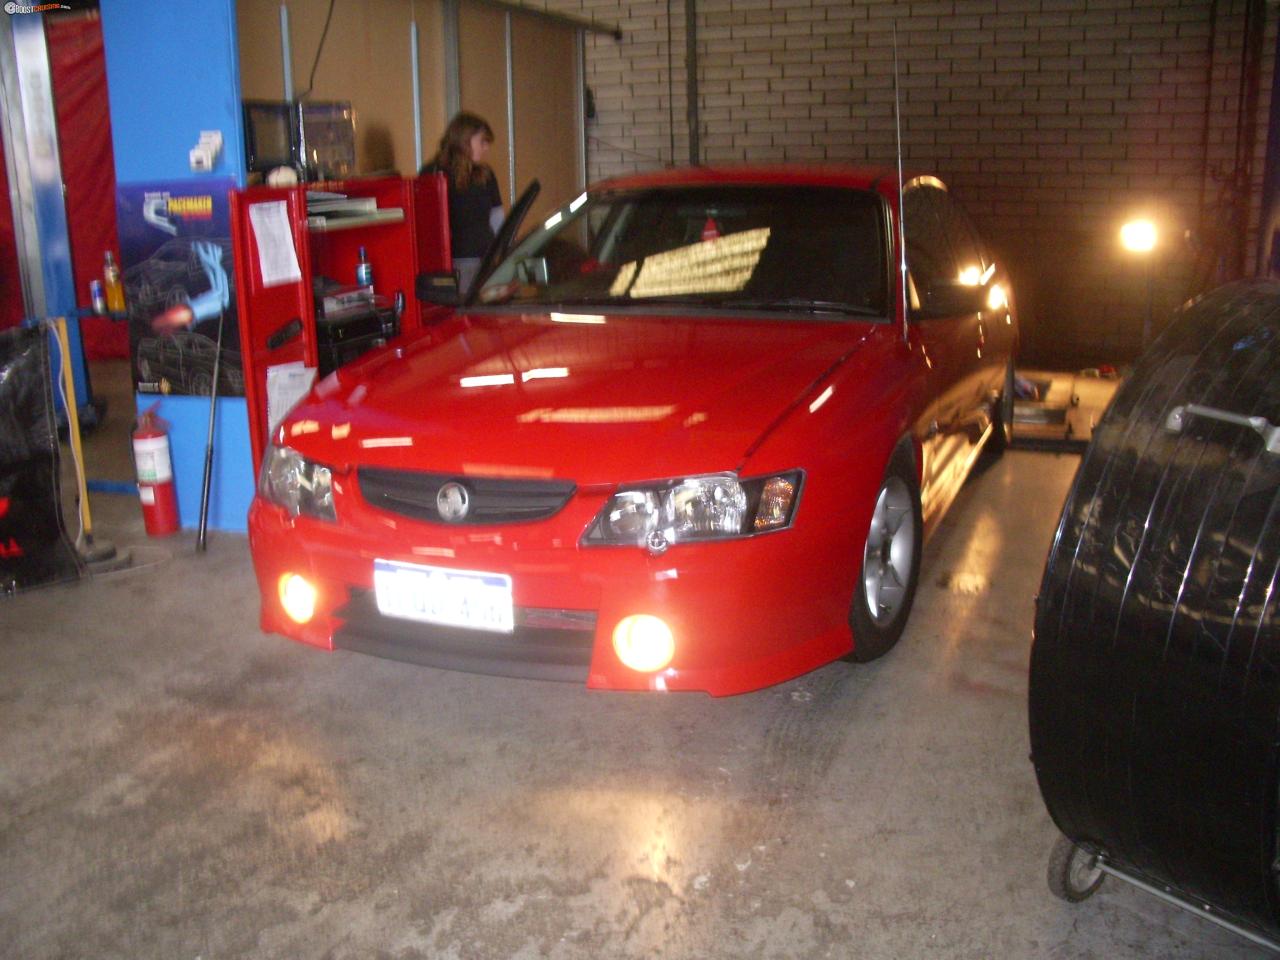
(328, 139)
(270, 135)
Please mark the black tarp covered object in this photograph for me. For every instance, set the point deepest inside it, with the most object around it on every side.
(1155, 669)
(34, 547)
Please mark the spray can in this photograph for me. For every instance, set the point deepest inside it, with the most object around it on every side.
(97, 296)
(364, 270)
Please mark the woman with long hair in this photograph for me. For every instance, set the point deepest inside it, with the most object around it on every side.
(475, 203)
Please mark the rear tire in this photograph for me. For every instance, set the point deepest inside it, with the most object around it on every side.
(890, 567)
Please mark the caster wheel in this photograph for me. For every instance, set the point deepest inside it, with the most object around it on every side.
(1074, 874)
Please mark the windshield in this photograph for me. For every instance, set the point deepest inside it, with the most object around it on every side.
(808, 249)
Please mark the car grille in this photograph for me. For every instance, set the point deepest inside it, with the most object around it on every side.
(492, 500)
(546, 644)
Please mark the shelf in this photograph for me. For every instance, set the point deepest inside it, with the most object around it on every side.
(322, 224)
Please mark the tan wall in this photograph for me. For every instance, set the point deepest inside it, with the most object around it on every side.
(543, 58)
(366, 60)
(482, 85)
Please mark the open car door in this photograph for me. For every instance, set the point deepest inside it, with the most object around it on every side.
(502, 243)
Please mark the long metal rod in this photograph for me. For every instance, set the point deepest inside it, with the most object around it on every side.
(452, 70)
(1211, 47)
(671, 87)
(207, 485)
(902, 230)
(580, 111)
(691, 79)
(1270, 218)
(1247, 127)
(511, 111)
(1200, 910)
(286, 54)
(417, 95)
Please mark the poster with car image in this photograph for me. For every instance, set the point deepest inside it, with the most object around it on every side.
(179, 285)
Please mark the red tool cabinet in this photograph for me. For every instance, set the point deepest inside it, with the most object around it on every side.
(406, 232)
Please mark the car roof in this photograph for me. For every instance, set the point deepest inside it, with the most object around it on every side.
(880, 178)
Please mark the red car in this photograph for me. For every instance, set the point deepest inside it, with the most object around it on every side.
(681, 438)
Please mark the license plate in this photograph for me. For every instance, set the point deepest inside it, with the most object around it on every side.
(452, 598)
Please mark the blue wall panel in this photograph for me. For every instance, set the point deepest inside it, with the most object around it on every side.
(173, 69)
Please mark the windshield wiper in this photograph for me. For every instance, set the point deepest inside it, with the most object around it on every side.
(806, 304)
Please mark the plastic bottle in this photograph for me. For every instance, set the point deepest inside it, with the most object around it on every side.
(111, 282)
(364, 270)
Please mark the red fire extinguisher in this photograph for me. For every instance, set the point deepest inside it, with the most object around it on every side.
(155, 475)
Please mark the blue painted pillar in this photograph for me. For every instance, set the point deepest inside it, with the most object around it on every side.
(173, 72)
(57, 297)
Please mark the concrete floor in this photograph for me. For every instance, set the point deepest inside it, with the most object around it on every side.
(175, 784)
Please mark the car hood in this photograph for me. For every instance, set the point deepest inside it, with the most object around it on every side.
(594, 399)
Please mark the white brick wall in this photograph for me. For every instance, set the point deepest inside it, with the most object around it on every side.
(1050, 119)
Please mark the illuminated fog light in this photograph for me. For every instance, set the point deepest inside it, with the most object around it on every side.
(643, 642)
(1138, 236)
(297, 597)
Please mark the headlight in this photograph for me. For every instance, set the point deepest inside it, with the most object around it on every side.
(713, 507)
(295, 483)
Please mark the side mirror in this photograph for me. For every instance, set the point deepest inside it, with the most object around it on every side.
(533, 270)
(952, 299)
(438, 287)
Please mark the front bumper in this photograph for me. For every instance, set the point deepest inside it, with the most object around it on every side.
(745, 613)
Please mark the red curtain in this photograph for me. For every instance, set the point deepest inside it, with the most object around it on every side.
(79, 74)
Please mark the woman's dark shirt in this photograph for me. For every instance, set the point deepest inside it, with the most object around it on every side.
(469, 207)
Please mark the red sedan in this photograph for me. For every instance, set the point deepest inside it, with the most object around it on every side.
(683, 437)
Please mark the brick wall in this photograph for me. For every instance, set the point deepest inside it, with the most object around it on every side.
(1051, 120)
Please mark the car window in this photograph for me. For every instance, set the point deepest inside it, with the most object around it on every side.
(740, 246)
(929, 254)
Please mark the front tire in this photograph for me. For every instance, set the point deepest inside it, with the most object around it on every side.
(890, 565)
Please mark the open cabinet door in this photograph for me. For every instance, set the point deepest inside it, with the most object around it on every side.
(275, 302)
